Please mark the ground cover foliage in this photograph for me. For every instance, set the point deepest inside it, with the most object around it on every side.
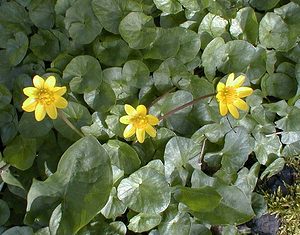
(201, 169)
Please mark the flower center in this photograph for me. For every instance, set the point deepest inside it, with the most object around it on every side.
(139, 121)
(45, 97)
(228, 94)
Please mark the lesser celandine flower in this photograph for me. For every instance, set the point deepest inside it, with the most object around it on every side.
(229, 95)
(44, 98)
(138, 122)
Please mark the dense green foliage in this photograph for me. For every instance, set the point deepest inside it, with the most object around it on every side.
(201, 169)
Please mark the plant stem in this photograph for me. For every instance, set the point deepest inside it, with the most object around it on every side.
(194, 101)
(202, 151)
(70, 124)
(162, 96)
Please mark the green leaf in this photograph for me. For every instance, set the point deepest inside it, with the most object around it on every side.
(14, 17)
(202, 199)
(290, 137)
(224, 8)
(259, 204)
(291, 121)
(274, 168)
(275, 33)
(244, 26)
(42, 13)
(28, 123)
(193, 5)
(236, 56)
(169, 73)
(213, 132)
(84, 73)
(168, 6)
(123, 156)
(138, 30)
(279, 85)
(111, 12)
(136, 191)
(81, 23)
(292, 150)
(290, 14)
(19, 230)
(78, 115)
(98, 129)
(178, 152)
(166, 45)
(45, 45)
(20, 153)
(8, 124)
(266, 146)
(102, 99)
(103, 227)
(234, 208)
(4, 212)
(265, 5)
(247, 179)
(83, 175)
(136, 73)
(175, 222)
(5, 96)
(143, 222)
(212, 26)
(43, 231)
(211, 57)
(113, 207)
(120, 86)
(190, 44)
(111, 46)
(16, 48)
(10, 179)
(237, 147)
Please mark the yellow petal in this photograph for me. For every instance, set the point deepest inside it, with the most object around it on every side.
(38, 82)
(129, 131)
(233, 110)
(230, 79)
(29, 104)
(30, 91)
(240, 104)
(220, 86)
(238, 81)
(51, 111)
(244, 91)
(129, 109)
(61, 102)
(152, 120)
(140, 134)
(125, 119)
(223, 108)
(220, 96)
(150, 130)
(141, 109)
(40, 112)
(50, 82)
(59, 90)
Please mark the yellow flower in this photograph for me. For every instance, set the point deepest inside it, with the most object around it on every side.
(44, 98)
(229, 95)
(138, 122)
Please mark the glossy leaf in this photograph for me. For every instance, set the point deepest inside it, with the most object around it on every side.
(84, 73)
(136, 191)
(85, 166)
(143, 222)
(138, 30)
(20, 153)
